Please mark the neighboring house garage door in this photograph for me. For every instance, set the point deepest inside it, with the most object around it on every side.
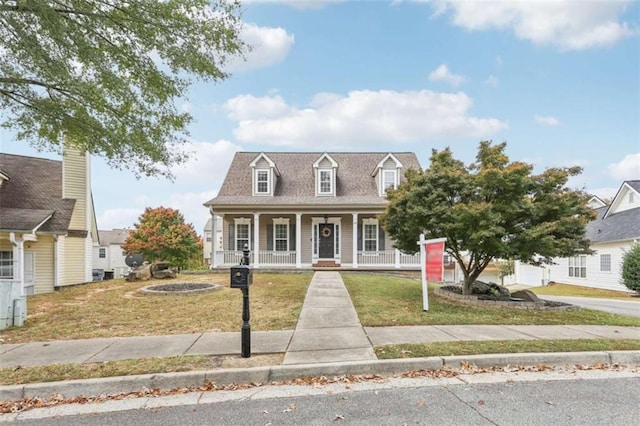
(530, 275)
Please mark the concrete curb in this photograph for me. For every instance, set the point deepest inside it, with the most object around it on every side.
(168, 381)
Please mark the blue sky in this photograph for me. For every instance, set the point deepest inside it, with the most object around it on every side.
(559, 81)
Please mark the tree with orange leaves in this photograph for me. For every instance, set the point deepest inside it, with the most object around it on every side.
(162, 234)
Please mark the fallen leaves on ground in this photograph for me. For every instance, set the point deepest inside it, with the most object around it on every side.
(26, 404)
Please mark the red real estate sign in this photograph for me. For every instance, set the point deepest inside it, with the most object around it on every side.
(434, 261)
(431, 263)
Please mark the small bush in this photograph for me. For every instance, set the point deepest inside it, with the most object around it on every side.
(631, 268)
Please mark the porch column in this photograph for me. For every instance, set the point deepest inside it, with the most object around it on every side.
(397, 259)
(256, 240)
(298, 240)
(214, 238)
(18, 260)
(354, 237)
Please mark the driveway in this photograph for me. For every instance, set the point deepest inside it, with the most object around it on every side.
(614, 306)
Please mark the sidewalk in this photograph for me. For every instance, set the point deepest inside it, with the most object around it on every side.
(328, 331)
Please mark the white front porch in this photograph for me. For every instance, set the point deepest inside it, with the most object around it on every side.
(387, 259)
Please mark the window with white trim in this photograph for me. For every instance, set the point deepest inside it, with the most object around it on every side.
(325, 184)
(578, 266)
(605, 263)
(6, 265)
(631, 199)
(388, 180)
(242, 233)
(102, 252)
(281, 234)
(370, 235)
(262, 182)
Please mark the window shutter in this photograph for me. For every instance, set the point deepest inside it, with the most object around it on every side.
(270, 237)
(380, 238)
(359, 231)
(232, 239)
(251, 236)
(292, 237)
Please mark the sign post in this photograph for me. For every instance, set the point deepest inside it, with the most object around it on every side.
(431, 264)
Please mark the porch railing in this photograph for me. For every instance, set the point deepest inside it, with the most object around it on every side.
(392, 258)
(277, 258)
(233, 257)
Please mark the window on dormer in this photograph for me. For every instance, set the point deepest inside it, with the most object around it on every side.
(324, 182)
(388, 180)
(262, 181)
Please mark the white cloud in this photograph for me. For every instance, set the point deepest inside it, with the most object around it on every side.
(298, 4)
(208, 162)
(268, 46)
(492, 81)
(568, 24)
(627, 169)
(547, 120)
(361, 119)
(603, 193)
(248, 107)
(189, 204)
(442, 73)
(118, 218)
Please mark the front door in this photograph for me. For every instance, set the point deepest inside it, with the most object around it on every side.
(326, 242)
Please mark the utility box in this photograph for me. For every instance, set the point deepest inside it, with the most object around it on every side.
(241, 276)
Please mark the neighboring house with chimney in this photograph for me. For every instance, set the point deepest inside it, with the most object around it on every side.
(615, 230)
(303, 210)
(47, 221)
(109, 256)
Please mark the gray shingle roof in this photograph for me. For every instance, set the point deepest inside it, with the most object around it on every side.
(33, 190)
(115, 236)
(620, 226)
(296, 184)
(635, 184)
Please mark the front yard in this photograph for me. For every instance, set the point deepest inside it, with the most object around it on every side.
(117, 308)
(383, 300)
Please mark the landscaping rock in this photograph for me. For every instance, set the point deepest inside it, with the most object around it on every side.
(527, 295)
(141, 273)
(165, 273)
(493, 289)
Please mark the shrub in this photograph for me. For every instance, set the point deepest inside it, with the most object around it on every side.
(631, 268)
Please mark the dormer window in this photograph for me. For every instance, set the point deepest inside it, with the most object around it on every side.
(389, 180)
(387, 174)
(265, 175)
(262, 182)
(325, 182)
(325, 169)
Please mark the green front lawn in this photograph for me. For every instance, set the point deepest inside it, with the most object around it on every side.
(384, 300)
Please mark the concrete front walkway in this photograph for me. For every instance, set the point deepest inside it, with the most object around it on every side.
(328, 329)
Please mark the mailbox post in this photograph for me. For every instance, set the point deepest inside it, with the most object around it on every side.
(241, 278)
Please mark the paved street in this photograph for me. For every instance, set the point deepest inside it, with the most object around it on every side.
(519, 398)
(614, 306)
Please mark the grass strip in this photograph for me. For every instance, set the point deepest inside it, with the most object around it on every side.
(384, 300)
(58, 372)
(503, 346)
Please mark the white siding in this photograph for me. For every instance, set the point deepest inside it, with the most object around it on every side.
(627, 199)
(610, 280)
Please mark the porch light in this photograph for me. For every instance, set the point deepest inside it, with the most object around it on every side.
(326, 219)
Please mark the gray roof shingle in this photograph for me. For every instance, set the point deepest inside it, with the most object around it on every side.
(635, 184)
(115, 236)
(33, 191)
(620, 226)
(296, 184)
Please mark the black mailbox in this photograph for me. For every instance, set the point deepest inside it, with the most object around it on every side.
(241, 276)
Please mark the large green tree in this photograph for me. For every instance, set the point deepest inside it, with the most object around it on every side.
(108, 74)
(492, 208)
(162, 234)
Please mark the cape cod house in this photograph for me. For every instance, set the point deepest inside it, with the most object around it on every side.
(303, 210)
(47, 222)
(615, 230)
